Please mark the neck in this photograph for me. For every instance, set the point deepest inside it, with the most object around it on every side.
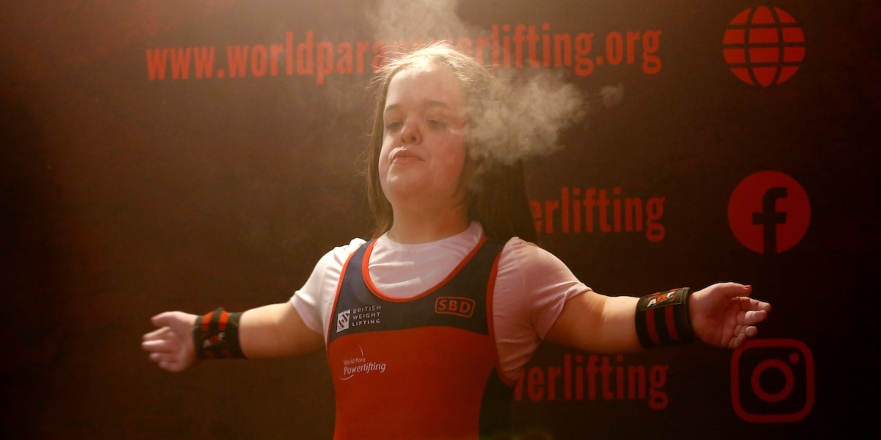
(420, 226)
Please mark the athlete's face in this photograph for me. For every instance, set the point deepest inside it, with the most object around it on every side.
(423, 149)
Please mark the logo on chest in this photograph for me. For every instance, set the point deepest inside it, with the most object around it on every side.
(368, 315)
(359, 364)
(454, 305)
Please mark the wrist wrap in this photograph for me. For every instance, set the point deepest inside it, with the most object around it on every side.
(662, 318)
(216, 335)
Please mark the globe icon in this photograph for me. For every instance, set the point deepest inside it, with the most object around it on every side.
(764, 46)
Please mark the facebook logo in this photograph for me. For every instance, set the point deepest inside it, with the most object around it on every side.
(769, 212)
(769, 218)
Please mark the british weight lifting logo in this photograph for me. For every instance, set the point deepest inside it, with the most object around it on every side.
(342, 321)
(367, 315)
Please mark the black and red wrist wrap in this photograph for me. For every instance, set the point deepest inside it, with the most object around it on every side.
(216, 335)
(662, 318)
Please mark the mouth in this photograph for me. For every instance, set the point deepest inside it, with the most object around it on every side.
(404, 155)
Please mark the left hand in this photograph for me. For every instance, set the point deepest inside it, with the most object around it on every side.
(171, 346)
(723, 314)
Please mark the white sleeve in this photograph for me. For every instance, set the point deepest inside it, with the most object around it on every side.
(314, 300)
(532, 286)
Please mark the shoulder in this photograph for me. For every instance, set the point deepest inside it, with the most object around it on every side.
(338, 256)
(527, 254)
(534, 268)
(532, 286)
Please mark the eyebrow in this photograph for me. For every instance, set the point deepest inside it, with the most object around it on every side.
(427, 103)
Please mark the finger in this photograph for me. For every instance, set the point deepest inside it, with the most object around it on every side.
(752, 317)
(742, 333)
(159, 357)
(741, 330)
(750, 331)
(161, 333)
(737, 341)
(161, 346)
(179, 322)
(735, 290)
(164, 319)
(749, 304)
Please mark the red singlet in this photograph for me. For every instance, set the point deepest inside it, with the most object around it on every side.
(425, 367)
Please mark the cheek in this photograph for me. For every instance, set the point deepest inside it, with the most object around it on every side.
(384, 151)
(454, 162)
(455, 150)
(383, 163)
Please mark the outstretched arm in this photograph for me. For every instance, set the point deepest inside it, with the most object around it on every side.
(722, 315)
(265, 332)
(597, 324)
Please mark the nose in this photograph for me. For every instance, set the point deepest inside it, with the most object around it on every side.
(410, 133)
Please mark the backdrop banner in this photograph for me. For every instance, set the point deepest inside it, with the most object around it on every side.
(165, 155)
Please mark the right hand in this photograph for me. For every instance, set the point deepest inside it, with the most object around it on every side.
(171, 347)
(724, 315)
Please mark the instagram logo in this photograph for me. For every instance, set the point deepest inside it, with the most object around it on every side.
(772, 380)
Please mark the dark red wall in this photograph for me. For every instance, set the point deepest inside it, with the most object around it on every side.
(127, 189)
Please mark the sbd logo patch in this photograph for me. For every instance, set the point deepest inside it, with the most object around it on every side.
(452, 305)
